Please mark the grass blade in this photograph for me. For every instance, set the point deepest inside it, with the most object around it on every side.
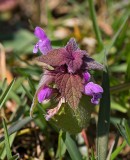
(7, 144)
(127, 129)
(11, 140)
(71, 147)
(15, 157)
(5, 94)
(104, 118)
(118, 150)
(17, 126)
(95, 25)
(117, 34)
(61, 147)
(104, 112)
(120, 88)
(124, 130)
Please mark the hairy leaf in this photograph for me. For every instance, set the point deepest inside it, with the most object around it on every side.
(74, 56)
(75, 61)
(71, 55)
(70, 87)
(71, 45)
(92, 64)
(46, 79)
(55, 57)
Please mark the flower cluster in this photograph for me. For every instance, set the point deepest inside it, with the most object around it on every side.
(69, 77)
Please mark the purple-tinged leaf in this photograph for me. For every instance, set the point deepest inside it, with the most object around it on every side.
(70, 87)
(55, 57)
(92, 64)
(74, 61)
(46, 79)
(71, 45)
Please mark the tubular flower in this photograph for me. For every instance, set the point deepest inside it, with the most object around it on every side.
(70, 76)
(44, 93)
(94, 90)
(43, 44)
(86, 76)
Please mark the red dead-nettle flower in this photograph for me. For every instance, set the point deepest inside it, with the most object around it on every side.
(43, 44)
(70, 78)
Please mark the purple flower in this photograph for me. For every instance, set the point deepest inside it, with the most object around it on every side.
(44, 93)
(67, 71)
(86, 76)
(94, 90)
(44, 43)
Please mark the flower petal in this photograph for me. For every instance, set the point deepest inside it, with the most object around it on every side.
(44, 93)
(94, 90)
(35, 49)
(52, 112)
(45, 46)
(39, 33)
(44, 43)
(96, 97)
(91, 88)
(86, 76)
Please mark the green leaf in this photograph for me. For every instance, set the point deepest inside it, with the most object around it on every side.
(128, 68)
(3, 150)
(119, 68)
(31, 85)
(71, 147)
(118, 107)
(127, 129)
(118, 150)
(5, 94)
(103, 118)
(73, 121)
(92, 157)
(22, 37)
(7, 144)
(104, 111)
(124, 130)
(95, 24)
(33, 106)
(61, 146)
(15, 157)
(120, 88)
(14, 117)
(34, 99)
(3, 83)
(16, 126)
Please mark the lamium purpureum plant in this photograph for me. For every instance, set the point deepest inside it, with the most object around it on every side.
(67, 83)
